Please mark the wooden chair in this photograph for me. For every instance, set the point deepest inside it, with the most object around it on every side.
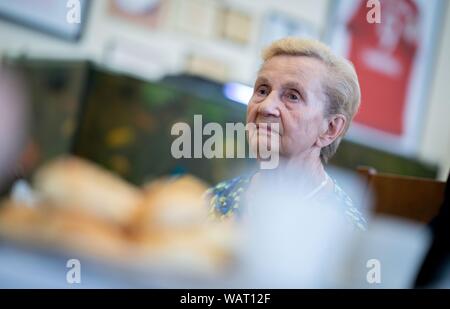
(412, 198)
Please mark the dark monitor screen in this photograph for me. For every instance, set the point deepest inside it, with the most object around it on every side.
(126, 125)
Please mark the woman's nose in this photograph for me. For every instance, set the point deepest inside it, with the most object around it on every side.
(270, 106)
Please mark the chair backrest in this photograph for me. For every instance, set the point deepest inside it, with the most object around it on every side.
(412, 198)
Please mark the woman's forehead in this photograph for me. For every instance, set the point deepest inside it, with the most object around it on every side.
(291, 68)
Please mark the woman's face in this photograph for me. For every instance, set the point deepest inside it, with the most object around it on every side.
(288, 91)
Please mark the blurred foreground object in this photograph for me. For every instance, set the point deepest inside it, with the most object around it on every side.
(12, 122)
(388, 255)
(84, 210)
(296, 241)
(77, 184)
(173, 203)
(435, 271)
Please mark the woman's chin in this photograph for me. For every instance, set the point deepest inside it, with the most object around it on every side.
(265, 148)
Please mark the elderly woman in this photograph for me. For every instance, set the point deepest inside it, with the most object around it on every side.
(312, 95)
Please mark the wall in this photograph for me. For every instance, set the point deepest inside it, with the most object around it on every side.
(436, 136)
(169, 47)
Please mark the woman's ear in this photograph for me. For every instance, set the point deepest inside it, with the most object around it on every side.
(334, 127)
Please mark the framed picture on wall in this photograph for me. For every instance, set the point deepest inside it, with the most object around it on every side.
(277, 25)
(394, 60)
(146, 13)
(61, 18)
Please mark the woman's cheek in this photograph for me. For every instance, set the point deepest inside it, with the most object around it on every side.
(286, 141)
(251, 112)
(253, 141)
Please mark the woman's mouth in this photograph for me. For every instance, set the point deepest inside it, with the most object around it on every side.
(268, 128)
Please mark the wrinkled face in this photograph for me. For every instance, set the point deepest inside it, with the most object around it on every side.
(288, 91)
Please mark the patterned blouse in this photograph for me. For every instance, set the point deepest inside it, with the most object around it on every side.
(226, 199)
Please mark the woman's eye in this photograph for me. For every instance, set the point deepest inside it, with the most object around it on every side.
(292, 96)
(262, 91)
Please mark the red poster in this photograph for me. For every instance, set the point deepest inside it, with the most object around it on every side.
(383, 55)
(393, 60)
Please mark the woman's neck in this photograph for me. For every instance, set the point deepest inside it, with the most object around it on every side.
(305, 171)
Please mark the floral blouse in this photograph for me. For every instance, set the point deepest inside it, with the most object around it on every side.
(226, 199)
